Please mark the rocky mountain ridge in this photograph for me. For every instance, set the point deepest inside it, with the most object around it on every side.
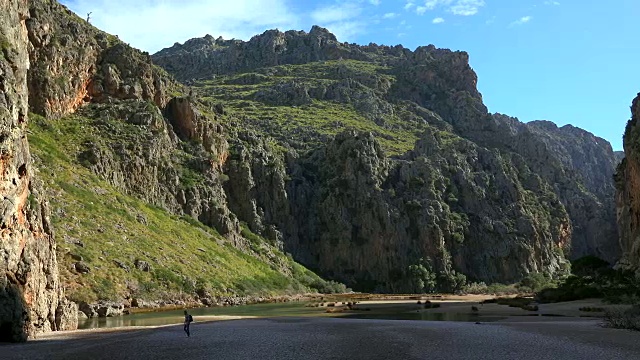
(403, 88)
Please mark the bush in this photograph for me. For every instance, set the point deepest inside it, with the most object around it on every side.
(623, 318)
(475, 288)
(330, 287)
(536, 282)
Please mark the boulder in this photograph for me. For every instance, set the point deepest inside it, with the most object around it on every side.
(67, 316)
(142, 265)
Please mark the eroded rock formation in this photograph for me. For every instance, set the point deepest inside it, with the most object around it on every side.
(29, 285)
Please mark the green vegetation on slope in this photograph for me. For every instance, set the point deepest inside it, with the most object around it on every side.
(110, 232)
(305, 105)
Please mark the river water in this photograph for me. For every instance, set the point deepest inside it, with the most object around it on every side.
(288, 309)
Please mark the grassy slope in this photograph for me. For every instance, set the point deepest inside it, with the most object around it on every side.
(307, 123)
(184, 255)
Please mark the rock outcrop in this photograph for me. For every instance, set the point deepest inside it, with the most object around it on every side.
(73, 63)
(29, 286)
(627, 190)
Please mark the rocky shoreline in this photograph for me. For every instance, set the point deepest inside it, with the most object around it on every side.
(104, 309)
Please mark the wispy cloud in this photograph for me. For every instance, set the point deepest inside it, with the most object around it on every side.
(409, 5)
(336, 12)
(151, 25)
(437, 20)
(374, 2)
(522, 20)
(389, 15)
(456, 7)
(467, 7)
(343, 18)
(548, 2)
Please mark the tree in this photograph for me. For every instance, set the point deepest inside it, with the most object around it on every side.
(422, 277)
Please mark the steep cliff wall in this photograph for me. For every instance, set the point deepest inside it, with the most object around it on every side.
(364, 219)
(29, 286)
(628, 191)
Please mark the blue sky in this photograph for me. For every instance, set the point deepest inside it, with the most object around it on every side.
(568, 61)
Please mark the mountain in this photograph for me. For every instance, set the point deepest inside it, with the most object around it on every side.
(627, 176)
(439, 177)
(223, 171)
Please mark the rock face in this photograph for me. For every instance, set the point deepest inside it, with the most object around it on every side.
(29, 287)
(588, 192)
(448, 200)
(627, 190)
(482, 194)
(73, 62)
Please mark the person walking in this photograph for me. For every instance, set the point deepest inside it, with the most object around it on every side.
(187, 321)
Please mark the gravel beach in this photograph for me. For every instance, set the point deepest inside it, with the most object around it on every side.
(331, 338)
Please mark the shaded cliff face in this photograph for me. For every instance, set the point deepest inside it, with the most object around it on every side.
(576, 164)
(627, 190)
(589, 190)
(364, 219)
(29, 287)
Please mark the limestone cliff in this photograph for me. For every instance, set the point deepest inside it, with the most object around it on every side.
(627, 190)
(30, 294)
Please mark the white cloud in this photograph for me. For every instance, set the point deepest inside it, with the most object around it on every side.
(467, 7)
(342, 18)
(522, 20)
(389, 15)
(457, 7)
(551, 3)
(374, 2)
(438, 20)
(337, 12)
(152, 25)
(409, 5)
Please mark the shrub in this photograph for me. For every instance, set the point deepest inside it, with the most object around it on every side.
(536, 282)
(475, 288)
(623, 318)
